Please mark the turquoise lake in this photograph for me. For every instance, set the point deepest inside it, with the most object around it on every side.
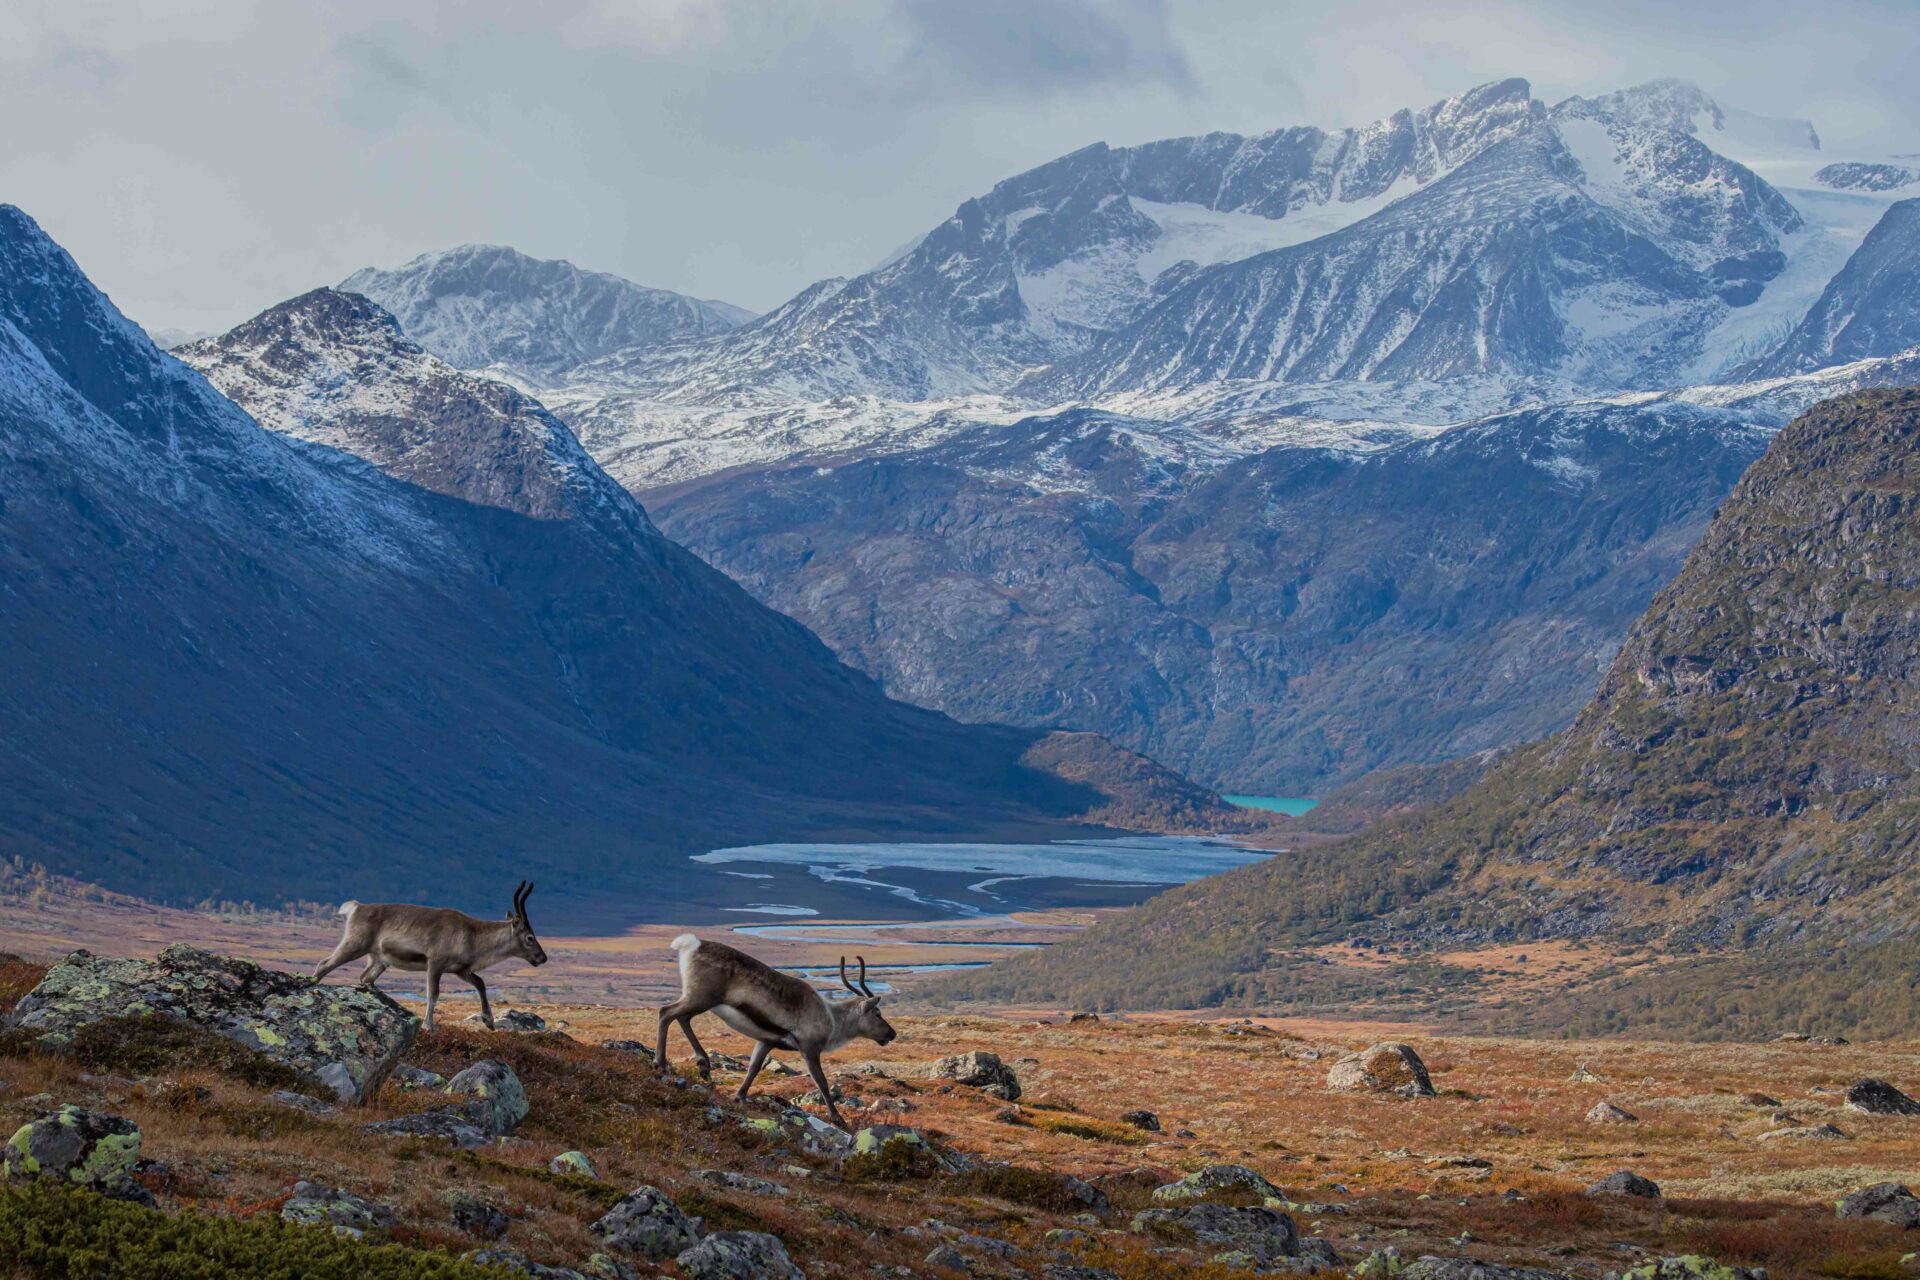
(1292, 806)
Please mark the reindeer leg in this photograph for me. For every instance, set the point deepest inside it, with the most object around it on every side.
(759, 1059)
(699, 1050)
(660, 1045)
(346, 953)
(433, 991)
(486, 1010)
(375, 967)
(819, 1075)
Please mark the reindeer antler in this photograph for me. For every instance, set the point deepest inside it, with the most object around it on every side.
(520, 897)
(864, 988)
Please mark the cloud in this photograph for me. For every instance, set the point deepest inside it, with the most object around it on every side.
(1041, 50)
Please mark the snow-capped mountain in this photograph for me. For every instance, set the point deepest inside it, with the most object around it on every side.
(1681, 107)
(1585, 248)
(483, 306)
(1871, 308)
(248, 664)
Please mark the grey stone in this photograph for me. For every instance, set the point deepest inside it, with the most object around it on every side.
(739, 1255)
(1625, 1183)
(474, 1215)
(1262, 1234)
(496, 1100)
(300, 1102)
(78, 1146)
(349, 1038)
(449, 1124)
(1218, 1177)
(983, 1071)
(314, 1204)
(740, 1182)
(1882, 1202)
(514, 1260)
(1389, 1067)
(646, 1222)
(1143, 1120)
(574, 1162)
(1878, 1098)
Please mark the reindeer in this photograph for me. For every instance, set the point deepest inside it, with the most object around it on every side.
(773, 1009)
(437, 939)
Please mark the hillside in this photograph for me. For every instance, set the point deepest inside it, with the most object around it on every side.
(1734, 810)
(248, 666)
(1272, 624)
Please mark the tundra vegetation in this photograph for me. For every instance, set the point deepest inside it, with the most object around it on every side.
(1494, 1166)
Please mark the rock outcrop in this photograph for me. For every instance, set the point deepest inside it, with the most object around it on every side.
(1626, 1183)
(78, 1146)
(982, 1070)
(739, 1255)
(647, 1222)
(1882, 1202)
(1878, 1098)
(1389, 1067)
(346, 1038)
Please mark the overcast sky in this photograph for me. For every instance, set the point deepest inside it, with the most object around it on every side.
(205, 160)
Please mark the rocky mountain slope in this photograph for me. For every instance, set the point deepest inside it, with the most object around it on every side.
(1275, 624)
(482, 306)
(1871, 308)
(1738, 799)
(246, 665)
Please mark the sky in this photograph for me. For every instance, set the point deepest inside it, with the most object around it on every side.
(205, 159)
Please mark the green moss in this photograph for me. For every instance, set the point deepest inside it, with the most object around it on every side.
(50, 1233)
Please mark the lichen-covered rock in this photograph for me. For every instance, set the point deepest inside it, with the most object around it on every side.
(1882, 1202)
(575, 1162)
(1878, 1098)
(1432, 1268)
(1264, 1235)
(1804, 1133)
(1145, 1121)
(1626, 1183)
(947, 1258)
(1072, 1271)
(1692, 1267)
(982, 1070)
(628, 1046)
(407, 1076)
(314, 1204)
(1389, 1067)
(646, 1222)
(739, 1255)
(449, 1124)
(513, 1260)
(474, 1215)
(300, 1102)
(495, 1099)
(1218, 1177)
(73, 1144)
(604, 1266)
(348, 1038)
(746, 1182)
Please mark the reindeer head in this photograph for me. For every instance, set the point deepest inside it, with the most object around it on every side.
(525, 945)
(862, 1015)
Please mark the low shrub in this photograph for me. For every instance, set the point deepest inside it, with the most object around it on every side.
(52, 1233)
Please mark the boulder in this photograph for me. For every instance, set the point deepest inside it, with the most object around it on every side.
(513, 1260)
(449, 1124)
(78, 1146)
(1626, 1183)
(1878, 1098)
(1263, 1235)
(495, 1099)
(739, 1255)
(1805, 1133)
(947, 1258)
(628, 1046)
(314, 1204)
(1388, 1262)
(574, 1162)
(746, 1182)
(407, 1076)
(347, 1038)
(1882, 1202)
(982, 1070)
(1073, 1271)
(300, 1102)
(1385, 1068)
(1218, 1177)
(646, 1222)
(1692, 1266)
(1145, 1121)
(474, 1215)
(1607, 1113)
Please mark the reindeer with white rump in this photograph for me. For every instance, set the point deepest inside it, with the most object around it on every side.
(775, 1010)
(436, 939)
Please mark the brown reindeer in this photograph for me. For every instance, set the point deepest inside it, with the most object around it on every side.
(436, 939)
(775, 1010)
